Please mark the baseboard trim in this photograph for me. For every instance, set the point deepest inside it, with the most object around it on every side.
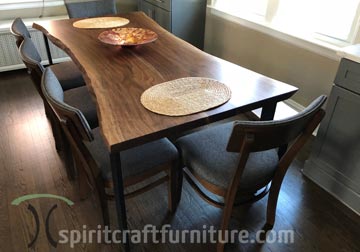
(314, 171)
(294, 105)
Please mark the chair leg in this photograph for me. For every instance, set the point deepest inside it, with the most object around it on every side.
(179, 181)
(173, 187)
(271, 206)
(87, 183)
(58, 136)
(225, 223)
(100, 186)
(69, 160)
(84, 187)
(48, 110)
(231, 194)
(56, 128)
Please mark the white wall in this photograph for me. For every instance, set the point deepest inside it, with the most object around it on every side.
(311, 72)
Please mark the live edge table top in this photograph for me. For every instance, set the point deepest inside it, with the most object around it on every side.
(117, 76)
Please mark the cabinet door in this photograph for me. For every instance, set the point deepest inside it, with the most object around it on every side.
(338, 140)
(188, 21)
(164, 4)
(161, 16)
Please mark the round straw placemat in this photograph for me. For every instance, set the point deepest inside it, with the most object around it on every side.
(101, 22)
(185, 96)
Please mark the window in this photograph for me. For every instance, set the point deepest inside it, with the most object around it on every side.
(9, 9)
(334, 21)
(19, 4)
(244, 7)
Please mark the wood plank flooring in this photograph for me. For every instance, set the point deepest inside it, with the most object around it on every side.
(30, 164)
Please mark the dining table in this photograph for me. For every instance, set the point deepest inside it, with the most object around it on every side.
(116, 77)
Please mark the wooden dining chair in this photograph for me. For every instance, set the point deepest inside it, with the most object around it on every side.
(67, 72)
(239, 161)
(90, 8)
(78, 97)
(157, 159)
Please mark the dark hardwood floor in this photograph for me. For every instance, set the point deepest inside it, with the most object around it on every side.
(29, 164)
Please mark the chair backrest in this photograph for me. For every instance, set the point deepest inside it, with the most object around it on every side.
(19, 30)
(90, 8)
(32, 60)
(70, 117)
(256, 136)
(272, 134)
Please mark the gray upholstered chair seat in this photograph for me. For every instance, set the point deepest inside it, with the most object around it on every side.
(68, 75)
(204, 151)
(134, 161)
(81, 99)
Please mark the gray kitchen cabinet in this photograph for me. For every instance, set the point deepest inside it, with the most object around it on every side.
(184, 18)
(334, 163)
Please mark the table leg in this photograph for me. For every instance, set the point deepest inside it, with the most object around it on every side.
(268, 112)
(47, 47)
(119, 195)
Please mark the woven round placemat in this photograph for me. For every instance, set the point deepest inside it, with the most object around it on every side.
(185, 96)
(101, 22)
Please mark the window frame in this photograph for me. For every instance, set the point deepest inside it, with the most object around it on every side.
(25, 4)
(31, 9)
(271, 9)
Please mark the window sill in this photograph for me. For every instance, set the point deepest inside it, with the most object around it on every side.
(309, 43)
(6, 24)
(30, 5)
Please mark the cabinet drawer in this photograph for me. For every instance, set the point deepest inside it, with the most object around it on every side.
(165, 4)
(348, 75)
